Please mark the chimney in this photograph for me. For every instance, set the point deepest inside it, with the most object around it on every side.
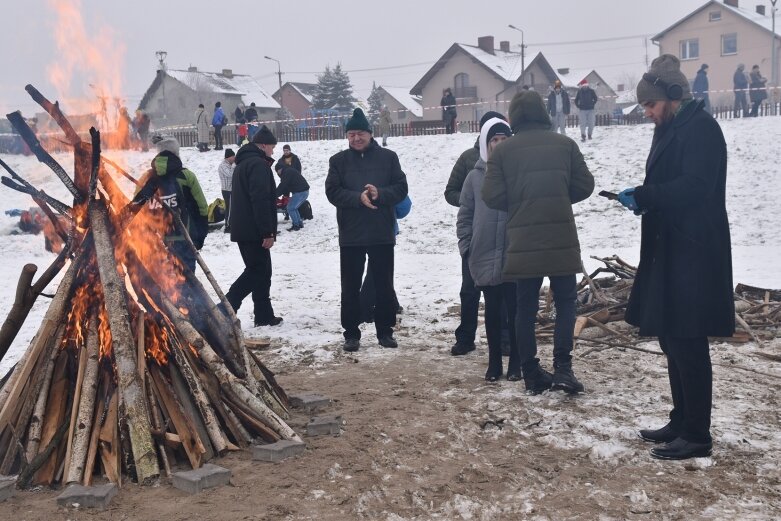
(620, 87)
(228, 73)
(761, 10)
(733, 3)
(486, 43)
(563, 71)
(192, 68)
(504, 46)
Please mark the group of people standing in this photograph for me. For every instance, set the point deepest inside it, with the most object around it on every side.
(246, 125)
(752, 86)
(559, 108)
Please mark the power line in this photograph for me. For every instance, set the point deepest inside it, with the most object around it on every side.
(371, 69)
(615, 38)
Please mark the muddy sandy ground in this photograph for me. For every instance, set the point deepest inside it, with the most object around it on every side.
(426, 438)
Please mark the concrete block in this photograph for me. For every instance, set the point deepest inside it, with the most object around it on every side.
(208, 476)
(277, 451)
(324, 425)
(7, 487)
(309, 401)
(88, 497)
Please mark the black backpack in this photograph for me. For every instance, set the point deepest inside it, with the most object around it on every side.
(305, 210)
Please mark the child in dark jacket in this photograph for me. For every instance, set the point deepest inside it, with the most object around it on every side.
(293, 183)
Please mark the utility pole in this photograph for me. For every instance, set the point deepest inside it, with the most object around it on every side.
(161, 70)
(279, 73)
(523, 52)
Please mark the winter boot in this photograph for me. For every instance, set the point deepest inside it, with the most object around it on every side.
(461, 348)
(564, 379)
(494, 371)
(537, 380)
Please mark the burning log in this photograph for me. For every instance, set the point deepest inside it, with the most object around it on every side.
(125, 366)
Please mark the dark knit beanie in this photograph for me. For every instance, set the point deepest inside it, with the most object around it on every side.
(229, 153)
(498, 129)
(668, 69)
(488, 115)
(264, 137)
(358, 122)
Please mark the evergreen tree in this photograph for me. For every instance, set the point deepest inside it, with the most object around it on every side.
(342, 92)
(375, 103)
(323, 97)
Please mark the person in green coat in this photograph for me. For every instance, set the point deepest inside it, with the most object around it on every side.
(536, 176)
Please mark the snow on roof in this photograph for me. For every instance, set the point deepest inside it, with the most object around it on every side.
(246, 86)
(626, 96)
(507, 65)
(307, 90)
(764, 21)
(407, 100)
(572, 77)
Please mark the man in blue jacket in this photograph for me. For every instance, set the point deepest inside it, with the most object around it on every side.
(218, 121)
(365, 183)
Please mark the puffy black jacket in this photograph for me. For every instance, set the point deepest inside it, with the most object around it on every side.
(291, 160)
(349, 172)
(466, 162)
(253, 215)
(586, 98)
(291, 181)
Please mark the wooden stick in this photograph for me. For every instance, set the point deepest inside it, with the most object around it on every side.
(748, 329)
(186, 401)
(609, 329)
(86, 408)
(109, 442)
(55, 417)
(53, 109)
(82, 357)
(94, 438)
(36, 423)
(613, 344)
(157, 423)
(123, 346)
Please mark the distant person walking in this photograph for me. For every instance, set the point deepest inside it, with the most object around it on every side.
(449, 114)
(700, 87)
(740, 86)
(141, 125)
(558, 107)
(219, 120)
(385, 124)
(225, 171)
(251, 116)
(586, 99)
(202, 128)
(757, 91)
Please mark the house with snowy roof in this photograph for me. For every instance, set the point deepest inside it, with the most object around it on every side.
(403, 106)
(174, 95)
(723, 35)
(296, 97)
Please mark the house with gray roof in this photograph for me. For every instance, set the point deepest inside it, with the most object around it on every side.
(403, 106)
(297, 97)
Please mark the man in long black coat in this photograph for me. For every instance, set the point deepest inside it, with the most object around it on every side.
(683, 289)
(253, 224)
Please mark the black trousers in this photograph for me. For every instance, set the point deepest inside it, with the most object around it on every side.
(369, 298)
(691, 385)
(217, 137)
(226, 196)
(500, 305)
(255, 279)
(352, 260)
(470, 302)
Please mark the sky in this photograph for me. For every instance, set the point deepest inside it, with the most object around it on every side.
(390, 42)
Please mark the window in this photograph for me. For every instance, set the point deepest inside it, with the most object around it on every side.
(462, 88)
(690, 49)
(461, 80)
(729, 44)
(401, 114)
(714, 16)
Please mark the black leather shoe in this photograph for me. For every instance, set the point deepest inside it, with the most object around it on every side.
(537, 380)
(564, 380)
(461, 348)
(273, 321)
(514, 376)
(351, 344)
(681, 449)
(664, 435)
(388, 341)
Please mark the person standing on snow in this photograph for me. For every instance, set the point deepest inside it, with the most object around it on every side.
(682, 292)
(740, 86)
(585, 100)
(700, 87)
(365, 183)
(558, 107)
(225, 171)
(202, 127)
(449, 114)
(219, 119)
(385, 124)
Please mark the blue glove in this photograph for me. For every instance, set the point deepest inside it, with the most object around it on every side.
(627, 198)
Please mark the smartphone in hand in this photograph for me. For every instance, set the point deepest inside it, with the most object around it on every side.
(610, 195)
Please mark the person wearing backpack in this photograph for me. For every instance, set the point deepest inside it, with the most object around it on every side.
(219, 120)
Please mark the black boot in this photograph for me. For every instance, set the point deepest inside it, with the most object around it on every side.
(461, 348)
(564, 379)
(494, 371)
(664, 435)
(537, 380)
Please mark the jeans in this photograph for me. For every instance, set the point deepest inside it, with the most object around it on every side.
(218, 137)
(352, 260)
(296, 200)
(559, 121)
(587, 122)
(252, 129)
(741, 104)
(564, 289)
(255, 279)
(691, 385)
(470, 302)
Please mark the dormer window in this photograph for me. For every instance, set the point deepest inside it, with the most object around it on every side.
(714, 16)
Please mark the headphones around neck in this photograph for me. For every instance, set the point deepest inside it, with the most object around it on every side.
(671, 90)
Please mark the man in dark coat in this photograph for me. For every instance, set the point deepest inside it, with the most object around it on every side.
(449, 114)
(740, 86)
(469, 294)
(700, 86)
(536, 176)
(253, 224)
(288, 159)
(365, 183)
(683, 289)
(585, 100)
(558, 107)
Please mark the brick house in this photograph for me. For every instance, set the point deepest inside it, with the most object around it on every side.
(296, 97)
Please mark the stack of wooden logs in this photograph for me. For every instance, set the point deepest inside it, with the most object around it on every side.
(134, 368)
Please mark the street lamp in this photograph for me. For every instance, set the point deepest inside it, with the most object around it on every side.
(523, 51)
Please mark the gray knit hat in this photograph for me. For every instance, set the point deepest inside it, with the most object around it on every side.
(667, 68)
(164, 142)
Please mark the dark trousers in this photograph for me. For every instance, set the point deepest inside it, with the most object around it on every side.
(470, 302)
(369, 298)
(352, 260)
(691, 385)
(217, 137)
(255, 279)
(498, 301)
(226, 196)
(564, 289)
(741, 105)
(755, 108)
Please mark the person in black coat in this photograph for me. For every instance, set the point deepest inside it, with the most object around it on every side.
(740, 86)
(682, 292)
(365, 183)
(449, 114)
(253, 224)
(288, 159)
(293, 183)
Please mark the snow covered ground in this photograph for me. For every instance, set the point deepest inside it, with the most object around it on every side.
(305, 286)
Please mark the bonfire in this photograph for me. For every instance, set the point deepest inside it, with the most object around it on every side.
(134, 369)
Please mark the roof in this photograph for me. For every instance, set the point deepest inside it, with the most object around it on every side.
(573, 77)
(626, 96)
(408, 101)
(306, 90)
(506, 66)
(237, 84)
(763, 22)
